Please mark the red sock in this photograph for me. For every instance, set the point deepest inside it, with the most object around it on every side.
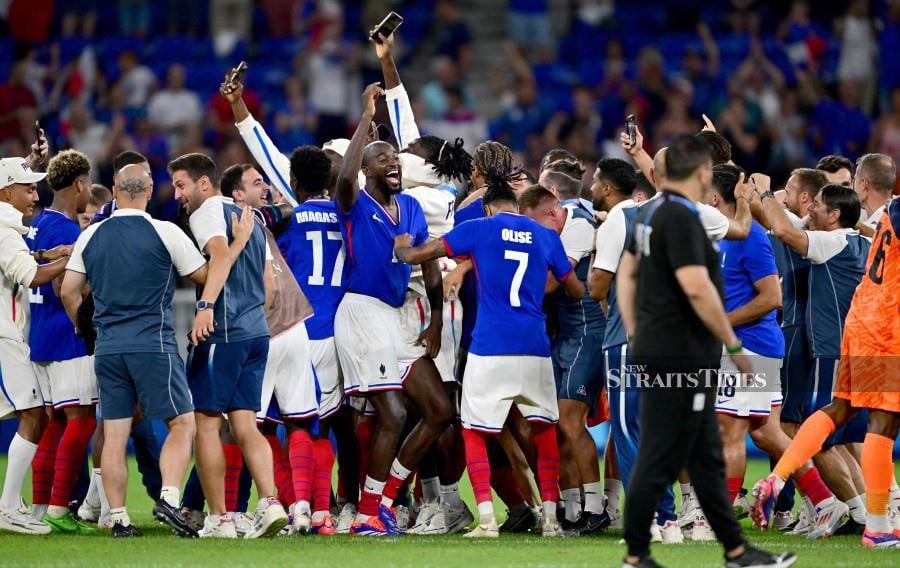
(364, 435)
(234, 463)
(811, 484)
(734, 487)
(44, 461)
(70, 458)
(282, 470)
(504, 483)
(300, 452)
(544, 436)
(478, 464)
(324, 458)
(396, 479)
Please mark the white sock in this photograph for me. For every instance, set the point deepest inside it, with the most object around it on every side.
(92, 498)
(450, 496)
(56, 511)
(20, 454)
(571, 499)
(119, 515)
(431, 490)
(101, 492)
(398, 472)
(878, 523)
(593, 498)
(171, 495)
(549, 509)
(857, 509)
(486, 511)
(38, 511)
(612, 489)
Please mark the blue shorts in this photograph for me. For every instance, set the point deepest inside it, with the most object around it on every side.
(228, 376)
(795, 374)
(822, 378)
(578, 367)
(155, 380)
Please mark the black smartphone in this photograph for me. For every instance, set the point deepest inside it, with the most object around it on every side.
(37, 130)
(388, 25)
(238, 72)
(631, 127)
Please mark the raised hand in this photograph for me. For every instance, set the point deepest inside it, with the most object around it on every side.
(638, 141)
(233, 91)
(708, 124)
(369, 96)
(383, 45)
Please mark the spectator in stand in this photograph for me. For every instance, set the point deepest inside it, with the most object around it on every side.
(527, 117)
(295, 120)
(701, 68)
(762, 81)
(79, 18)
(18, 107)
(230, 21)
(134, 17)
(576, 130)
(803, 39)
(221, 120)
(741, 122)
(888, 43)
(677, 118)
(529, 26)
(451, 34)
(841, 127)
(595, 13)
(328, 76)
(859, 51)
(174, 108)
(279, 16)
(788, 132)
(459, 121)
(149, 141)
(434, 94)
(886, 137)
(137, 80)
(653, 89)
(84, 133)
(184, 17)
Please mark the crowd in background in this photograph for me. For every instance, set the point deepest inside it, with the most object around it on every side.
(785, 82)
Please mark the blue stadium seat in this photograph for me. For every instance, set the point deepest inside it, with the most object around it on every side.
(733, 46)
(178, 48)
(111, 47)
(203, 77)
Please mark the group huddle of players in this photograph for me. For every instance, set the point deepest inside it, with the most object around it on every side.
(359, 297)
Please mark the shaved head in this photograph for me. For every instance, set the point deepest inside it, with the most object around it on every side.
(659, 166)
(134, 181)
(374, 149)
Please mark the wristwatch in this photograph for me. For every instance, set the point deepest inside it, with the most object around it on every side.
(764, 195)
(39, 255)
(204, 305)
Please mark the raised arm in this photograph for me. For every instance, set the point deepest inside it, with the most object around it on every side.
(640, 156)
(739, 227)
(778, 220)
(347, 188)
(48, 272)
(403, 122)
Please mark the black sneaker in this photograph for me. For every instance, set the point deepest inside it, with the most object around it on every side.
(589, 523)
(851, 527)
(121, 531)
(756, 558)
(520, 519)
(645, 562)
(171, 516)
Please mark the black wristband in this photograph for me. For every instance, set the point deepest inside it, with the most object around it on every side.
(766, 194)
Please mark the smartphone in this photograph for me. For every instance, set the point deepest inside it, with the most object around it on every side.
(388, 25)
(631, 126)
(238, 72)
(37, 130)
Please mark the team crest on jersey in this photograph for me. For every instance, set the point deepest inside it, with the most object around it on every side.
(581, 390)
(382, 369)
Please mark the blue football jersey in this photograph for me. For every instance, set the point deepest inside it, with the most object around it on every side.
(52, 335)
(468, 294)
(511, 255)
(369, 232)
(314, 249)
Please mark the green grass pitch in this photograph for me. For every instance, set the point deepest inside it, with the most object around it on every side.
(159, 548)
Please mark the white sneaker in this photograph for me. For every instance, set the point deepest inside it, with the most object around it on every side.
(655, 531)
(895, 519)
(671, 533)
(804, 522)
(700, 531)
(456, 519)
(550, 527)
(270, 519)
(782, 520)
(300, 520)
(688, 511)
(831, 515)
(89, 513)
(346, 518)
(401, 513)
(426, 512)
(741, 505)
(243, 523)
(485, 529)
(193, 518)
(223, 529)
(105, 520)
(615, 515)
(19, 520)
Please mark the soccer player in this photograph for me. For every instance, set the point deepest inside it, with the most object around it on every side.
(130, 262)
(509, 360)
(100, 194)
(669, 292)
(836, 252)
(64, 369)
(837, 169)
(368, 335)
(20, 387)
(230, 341)
(429, 166)
(867, 378)
(576, 351)
(752, 294)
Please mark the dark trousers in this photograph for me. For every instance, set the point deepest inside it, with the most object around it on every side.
(675, 436)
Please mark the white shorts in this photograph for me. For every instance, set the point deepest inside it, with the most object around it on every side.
(369, 341)
(415, 315)
(19, 387)
(68, 383)
(493, 383)
(325, 362)
(289, 376)
(749, 400)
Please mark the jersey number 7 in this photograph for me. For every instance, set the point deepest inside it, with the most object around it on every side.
(522, 259)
